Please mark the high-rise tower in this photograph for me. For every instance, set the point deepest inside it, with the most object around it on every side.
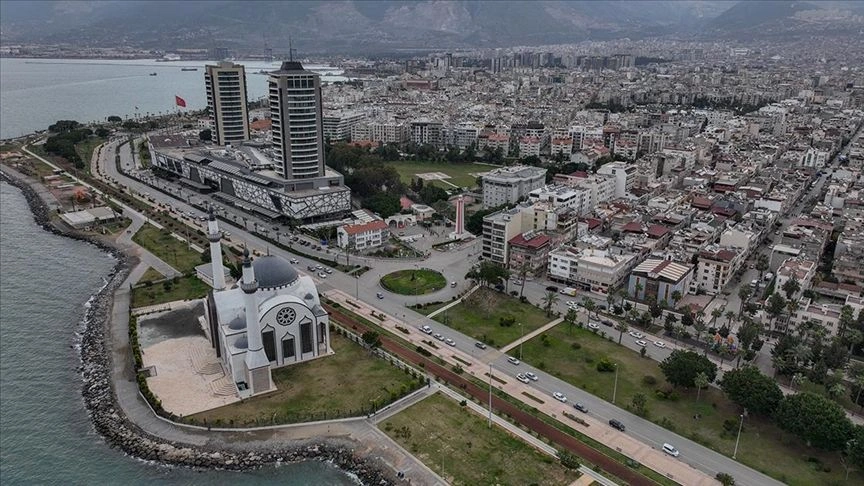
(226, 100)
(295, 110)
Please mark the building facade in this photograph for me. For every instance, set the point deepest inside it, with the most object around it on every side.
(509, 184)
(226, 101)
(659, 280)
(297, 129)
(363, 236)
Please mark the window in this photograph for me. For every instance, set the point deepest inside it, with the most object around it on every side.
(306, 337)
(288, 348)
(269, 345)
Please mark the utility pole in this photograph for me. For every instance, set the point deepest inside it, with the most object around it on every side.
(615, 388)
(490, 394)
(737, 439)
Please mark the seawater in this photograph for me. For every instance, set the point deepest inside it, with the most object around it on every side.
(45, 433)
(34, 93)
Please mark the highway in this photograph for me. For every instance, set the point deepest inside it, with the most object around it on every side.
(454, 265)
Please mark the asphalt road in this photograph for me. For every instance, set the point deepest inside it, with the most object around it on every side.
(454, 265)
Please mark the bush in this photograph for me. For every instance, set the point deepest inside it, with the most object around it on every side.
(649, 380)
(605, 366)
(725, 479)
(575, 346)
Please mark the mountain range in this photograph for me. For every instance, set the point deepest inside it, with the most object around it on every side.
(384, 26)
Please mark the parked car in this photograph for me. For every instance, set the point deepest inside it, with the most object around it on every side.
(636, 334)
(617, 425)
(671, 450)
(480, 345)
(379, 295)
(552, 288)
(560, 397)
(607, 322)
(512, 360)
(294, 261)
(438, 336)
(450, 342)
(522, 378)
(426, 329)
(328, 270)
(582, 408)
(311, 268)
(593, 325)
(531, 376)
(322, 275)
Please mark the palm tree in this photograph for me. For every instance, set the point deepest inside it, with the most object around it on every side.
(676, 297)
(715, 314)
(589, 305)
(621, 327)
(550, 299)
(610, 300)
(729, 316)
(791, 307)
(638, 290)
(797, 380)
(743, 294)
(622, 292)
(523, 272)
(570, 318)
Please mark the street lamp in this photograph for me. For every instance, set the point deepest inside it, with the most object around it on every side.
(490, 394)
(615, 387)
(521, 339)
(737, 439)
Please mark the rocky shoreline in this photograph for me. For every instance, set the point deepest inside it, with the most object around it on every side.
(110, 421)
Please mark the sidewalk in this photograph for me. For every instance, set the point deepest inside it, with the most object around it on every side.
(454, 303)
(623, 443)
(532, 334)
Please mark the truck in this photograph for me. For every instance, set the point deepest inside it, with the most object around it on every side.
(568, 291)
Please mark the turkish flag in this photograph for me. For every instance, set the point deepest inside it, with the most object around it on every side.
(179, 101)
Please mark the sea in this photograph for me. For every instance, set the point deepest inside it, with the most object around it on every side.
(46, 436)
(34, 93)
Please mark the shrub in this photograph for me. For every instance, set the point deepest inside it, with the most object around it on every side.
(649, 380)
(605, 366)
(575, 346)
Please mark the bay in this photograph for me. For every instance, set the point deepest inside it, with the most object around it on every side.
(34, 93)
(45, 433)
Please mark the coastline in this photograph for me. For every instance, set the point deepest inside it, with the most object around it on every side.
(109, 420)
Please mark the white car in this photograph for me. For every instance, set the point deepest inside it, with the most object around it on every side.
(636, 334)
(512, 360)
(572, 304)
(523, 378)
(328, 270)
(426, 330)
(531, 376)
(450, 342)
(593, 325)
(671, 450)
(641, 343)
(438, 336)
(322, 275)
(560, 397)
(294, 261)
(660, 344)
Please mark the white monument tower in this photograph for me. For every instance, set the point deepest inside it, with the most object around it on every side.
(459, 232)
(215, 238)
(257, 365)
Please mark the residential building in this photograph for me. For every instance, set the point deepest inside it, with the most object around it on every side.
(295, 108)
(715, 269)
(577, 199)
(425, 132)
(530, 249)
(364, 236)
(798, 269)
(226, 102)
(337, 125)
(508, 185)
(624, 174)
(498, 229)
(659, 280)
(590, 269)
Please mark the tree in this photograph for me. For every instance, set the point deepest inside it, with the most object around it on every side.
(681, 368)
(855, 447)
(817, 420)
(102, 132)
(523, 270)
(621, 327)
(639, 401)
(791, 287)
(372, 339)
(743, 294)
(716, 313)
(748, 333)
(488, 273)
(701, 381)
(761, 264)
(384, 204)
(725, 479)
(550, 299)
(63, 126)
(589, 305)
(676, 297)
(114, 119)
(205, 135)
(431, 194)
(570, 318)
(845, 321)
(729, 316)
(669, 324)
(749, 388)
(776, 305)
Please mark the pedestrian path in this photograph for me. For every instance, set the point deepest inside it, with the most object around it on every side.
(531, 335)
(454, 303)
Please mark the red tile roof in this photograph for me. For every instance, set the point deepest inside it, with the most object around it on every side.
(353, 229)
(535, 242)
(657, 231)
(405, 202)
(632, 227)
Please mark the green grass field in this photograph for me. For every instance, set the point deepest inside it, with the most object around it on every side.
(479, 315)
(150, 275)
(413, 282)
(461, 174)
(343, 384)
(171, 250)
(186, 288)
(763, 445)
(458, 445)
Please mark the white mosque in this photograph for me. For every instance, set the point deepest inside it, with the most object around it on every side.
(273, 318)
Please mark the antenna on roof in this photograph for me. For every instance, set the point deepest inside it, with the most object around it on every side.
(290, 49)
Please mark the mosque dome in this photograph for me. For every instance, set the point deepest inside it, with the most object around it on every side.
(237, 324)
(273, 272)
(241, 343)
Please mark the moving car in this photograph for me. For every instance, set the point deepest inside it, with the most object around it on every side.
(523, 378)
(560, 397)
(453, 284)
(379, 295)
(660, 344)
(532, 376)
(641, 343)
(671, 450)
(426, 329)
(582, 408)
(450, 342)
(593, 325)
(512, 360)
(617, 425)
(636, 334)
(294, 261)
(480, 345)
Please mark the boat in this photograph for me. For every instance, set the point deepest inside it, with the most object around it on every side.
(152, 74)
(188, 69)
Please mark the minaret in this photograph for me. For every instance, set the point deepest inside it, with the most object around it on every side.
(215, 238)
(257, 364)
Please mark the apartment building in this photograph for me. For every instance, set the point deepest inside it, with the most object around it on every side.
(509, 184)
(715, 269)
(495, 141)
(659, 280)
(590, 269)
(624, 174)
(225, 84)
(295, 110)
(425, 132)
(577, 199)
(530, 249)
(498, 229)
(363, 236)
(798, 269)
(337, 125)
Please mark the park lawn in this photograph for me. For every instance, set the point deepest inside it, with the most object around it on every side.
(460, 174)
(763, 446)
(444, 435)
(186, 288)
(85, 149)
(479, 313)
(171, 250)
(150, 275)
(344, 384)
(413, 282)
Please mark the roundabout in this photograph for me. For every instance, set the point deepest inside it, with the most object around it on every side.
(414, 281)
